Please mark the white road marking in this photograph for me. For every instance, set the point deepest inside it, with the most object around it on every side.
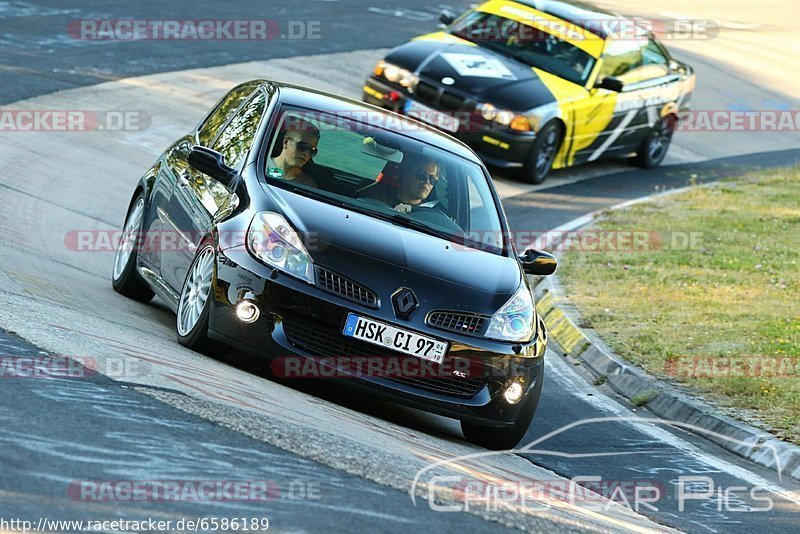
(578, 387)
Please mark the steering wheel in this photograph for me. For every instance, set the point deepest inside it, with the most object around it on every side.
(435, 215)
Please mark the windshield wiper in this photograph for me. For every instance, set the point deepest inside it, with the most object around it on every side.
(416, 225)
(308, 192)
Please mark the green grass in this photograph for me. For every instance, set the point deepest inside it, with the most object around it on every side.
(733, 296)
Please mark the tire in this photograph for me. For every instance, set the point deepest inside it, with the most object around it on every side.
(505, 438)
(194, 305)
(543, 153)
(125, 279)
(655, 146)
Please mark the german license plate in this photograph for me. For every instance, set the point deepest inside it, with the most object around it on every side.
(431, 116)
(394, 338)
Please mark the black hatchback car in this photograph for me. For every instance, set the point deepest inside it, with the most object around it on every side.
(337, 239)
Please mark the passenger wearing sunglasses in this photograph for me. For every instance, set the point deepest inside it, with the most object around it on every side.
(417, 175)
(298, 147)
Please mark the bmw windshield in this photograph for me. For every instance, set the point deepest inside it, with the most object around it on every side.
(525, 43)
(374, 169)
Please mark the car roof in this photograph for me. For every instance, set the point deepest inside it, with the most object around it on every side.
(301, 96)
(580, 14)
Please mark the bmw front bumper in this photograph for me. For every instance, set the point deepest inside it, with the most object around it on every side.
(501, 148)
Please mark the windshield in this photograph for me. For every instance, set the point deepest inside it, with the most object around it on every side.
(351, 162)
(527, 44)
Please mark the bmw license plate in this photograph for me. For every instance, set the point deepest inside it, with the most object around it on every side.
(431, 116)
(394, 338)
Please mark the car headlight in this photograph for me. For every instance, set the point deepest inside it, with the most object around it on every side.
(487, 111)
(396, 74)
(503, 117)
(516, 319)
(272, 240)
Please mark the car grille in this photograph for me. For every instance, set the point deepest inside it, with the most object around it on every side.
(431, 94)
(339, 285)
(463, 323)
(427, 92)
(451, 101)
(324, 339)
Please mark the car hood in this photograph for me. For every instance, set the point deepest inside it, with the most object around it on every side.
(385, 256)
(476, 71)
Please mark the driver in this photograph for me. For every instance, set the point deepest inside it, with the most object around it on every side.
(417, 176)
(298, 147)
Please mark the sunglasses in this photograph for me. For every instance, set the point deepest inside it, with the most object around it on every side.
(424, 176)
(302, 146)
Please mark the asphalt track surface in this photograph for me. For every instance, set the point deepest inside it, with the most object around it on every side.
(87, 427)
(58, 431)
(40, 56)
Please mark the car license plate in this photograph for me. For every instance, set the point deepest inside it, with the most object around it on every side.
(431, 116)
(394, 338)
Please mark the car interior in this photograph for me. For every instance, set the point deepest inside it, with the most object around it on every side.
(350, 163)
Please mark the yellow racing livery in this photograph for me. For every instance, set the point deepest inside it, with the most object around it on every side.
(539, 85)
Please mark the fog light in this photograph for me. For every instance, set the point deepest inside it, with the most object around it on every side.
(513, 393)
(247, 311)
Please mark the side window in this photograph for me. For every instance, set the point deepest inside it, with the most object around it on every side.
(652, 54)
(236, 139)
(620, 58)
(635, 61)
(226, 108)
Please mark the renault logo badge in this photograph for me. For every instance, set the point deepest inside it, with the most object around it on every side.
(404, 302)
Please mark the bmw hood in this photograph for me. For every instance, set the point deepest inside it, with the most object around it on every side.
(386, 256)
(474, 71)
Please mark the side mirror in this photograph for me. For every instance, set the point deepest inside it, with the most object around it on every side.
(212, 163)
(446, 18)
(538, 262)
(610, 83)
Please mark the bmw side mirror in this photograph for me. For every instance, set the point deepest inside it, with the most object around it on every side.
(212, 163)
(611, 83)
(446, 18)
(538, 262)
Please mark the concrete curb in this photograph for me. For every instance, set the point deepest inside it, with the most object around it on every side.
(663, 400)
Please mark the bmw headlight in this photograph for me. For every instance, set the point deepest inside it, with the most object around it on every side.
(272, 240)
(516, 319)
(503, 117)
(396, 74)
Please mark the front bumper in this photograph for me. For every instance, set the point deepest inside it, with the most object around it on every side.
(502, 148)
(299, 321)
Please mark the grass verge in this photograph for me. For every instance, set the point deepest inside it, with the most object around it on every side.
(712, 300)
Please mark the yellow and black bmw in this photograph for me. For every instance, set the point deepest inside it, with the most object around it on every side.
(539, 85)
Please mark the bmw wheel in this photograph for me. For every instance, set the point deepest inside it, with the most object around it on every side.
(195, 302)
(125, 279)
(543, 153)
(655, 145)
